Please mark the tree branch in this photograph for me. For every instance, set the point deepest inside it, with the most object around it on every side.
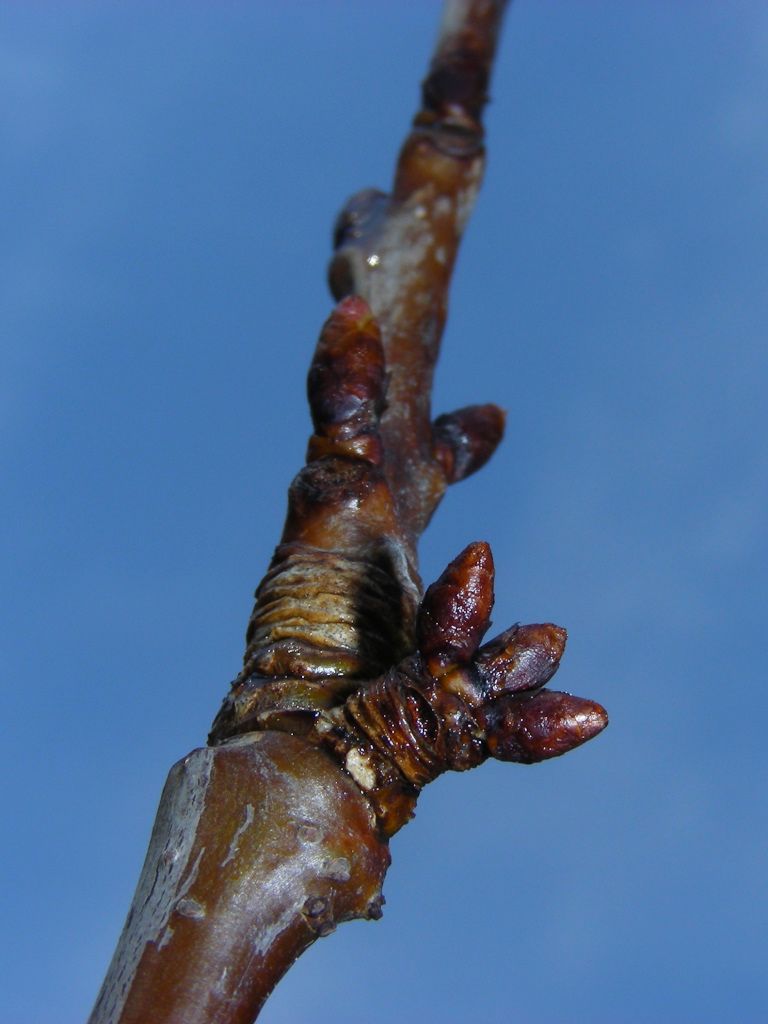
(355, 692)
(398, 253)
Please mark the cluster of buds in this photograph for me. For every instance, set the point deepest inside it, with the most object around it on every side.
(340, 607)
(454, 703)
(340, 600)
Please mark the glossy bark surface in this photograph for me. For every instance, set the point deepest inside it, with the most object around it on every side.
(354, 692)
(259, 847)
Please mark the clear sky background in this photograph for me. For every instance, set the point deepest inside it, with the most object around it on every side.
(170, 174)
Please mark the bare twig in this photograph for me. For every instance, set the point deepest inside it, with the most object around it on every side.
(355, 692)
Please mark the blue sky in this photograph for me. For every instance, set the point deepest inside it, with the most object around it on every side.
(170, 177)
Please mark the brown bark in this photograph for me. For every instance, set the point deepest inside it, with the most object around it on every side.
(355, 692)
(259, 846)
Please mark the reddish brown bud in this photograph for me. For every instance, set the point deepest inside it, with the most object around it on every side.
(520, 658)
(347, 380)
(533, 727)
(455, 612)
(465, 439)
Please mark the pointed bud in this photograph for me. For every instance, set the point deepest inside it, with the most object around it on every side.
(347, 378)
(534, 727)
(465, 439)
(455, 612)
(520, 658)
